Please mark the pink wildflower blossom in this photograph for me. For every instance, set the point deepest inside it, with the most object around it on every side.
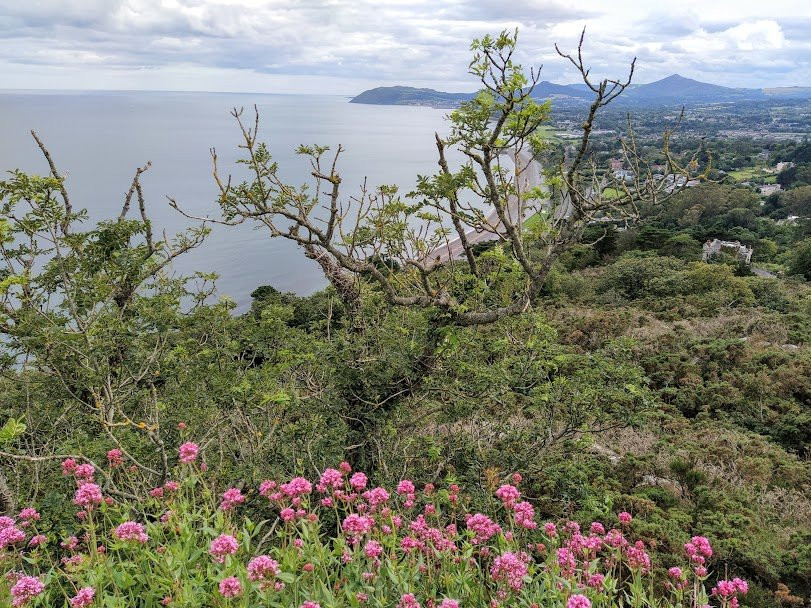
(262, 567)
(309, 604)
(188, 452)
(508, 495)
(596, 581)
(83, 598)
(596, 528)
(578, 601)
(231, 498)
(68, 466)
(131, 530)
(25, 589)
(331, 479)
(510, 568)
(373, 549)
(70, 543)
(84, 472)
(88, 495)
(29, 514)
(11, 536)
(230, 587)
(625, 518)
(408, 600)
(449, 603)
(482, 526)
(296, 487)
(223, 545)
(358, 481)
(40, 540)
(550, 529)
(525, 515)
(115, 458)
(171, 486)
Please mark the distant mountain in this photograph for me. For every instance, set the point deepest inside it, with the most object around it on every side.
(409, 96)
(677, 89)
(674, 89)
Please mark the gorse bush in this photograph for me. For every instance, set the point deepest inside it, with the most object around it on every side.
(333, 542)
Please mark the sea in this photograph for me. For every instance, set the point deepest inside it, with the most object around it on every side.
(99, 138)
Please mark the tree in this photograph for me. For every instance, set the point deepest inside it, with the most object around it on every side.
(86, 318)
(800, 263)
(422, 234)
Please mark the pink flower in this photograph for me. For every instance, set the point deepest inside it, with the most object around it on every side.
(358, 481)
(70, 543)
(266, 487)
(156, 492)
(171, 486)
(596, 581)
(115, 457)
(405, 487)
(331, 479)
(550, 529)
(223, 545)
(309, 604)
(510, 568)
(84, 598)
(525, 515)
(231, 498)
(345, 468)
(701, 572)
(29, 514)
(10, 536)
(88, 495)
(296, 487)
(625, 518)
(376, 497)
(508, 495)
(674, 573)
(230, 587)
(449, 603)
(698, 546)
(262, 567)
(131, 530)
(637, 556)
(578, 601)
(68, 466)
(84, 472)
(596, 528)
(373, 549)
(408, 600)
(25, 589)
(39, 540)
(188, 452)
(482, 526)
(357, 525)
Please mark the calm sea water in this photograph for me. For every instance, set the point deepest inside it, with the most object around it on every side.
(100, 138)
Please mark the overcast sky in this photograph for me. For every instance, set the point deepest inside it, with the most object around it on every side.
(345, 46)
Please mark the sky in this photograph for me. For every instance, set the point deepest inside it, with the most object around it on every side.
(345, 46)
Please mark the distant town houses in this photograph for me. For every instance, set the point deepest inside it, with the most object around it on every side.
(715, 247)
(782, 166)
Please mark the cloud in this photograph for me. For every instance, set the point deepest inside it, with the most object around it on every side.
(103, 43)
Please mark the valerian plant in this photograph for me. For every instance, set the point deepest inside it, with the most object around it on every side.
(336, 541)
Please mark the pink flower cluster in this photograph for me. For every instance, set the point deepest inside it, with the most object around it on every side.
(727, 591)
(131, 531)
(83, 598)
(483, 527)
(230, 587)
(188, 452)
(223, 545)
(262, 568)
(511, 568)
(231, 498)
(25, 589)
